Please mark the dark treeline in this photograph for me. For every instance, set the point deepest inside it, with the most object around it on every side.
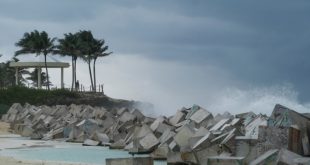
(7, 74)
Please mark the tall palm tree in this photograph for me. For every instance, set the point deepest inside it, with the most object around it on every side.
(100, 51)
(69, 46)
(36, 43)
(87, 47)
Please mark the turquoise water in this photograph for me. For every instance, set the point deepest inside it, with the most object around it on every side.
(81, 154)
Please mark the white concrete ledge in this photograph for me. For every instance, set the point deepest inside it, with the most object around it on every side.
(40, 64)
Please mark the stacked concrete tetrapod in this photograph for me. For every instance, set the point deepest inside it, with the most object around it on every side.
(191, 136)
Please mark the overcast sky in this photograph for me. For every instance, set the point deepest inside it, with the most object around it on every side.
(223, 55)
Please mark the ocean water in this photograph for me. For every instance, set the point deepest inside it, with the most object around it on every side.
(72, 153)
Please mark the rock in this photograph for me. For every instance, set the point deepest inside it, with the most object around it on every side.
(126, 116)
(272, 138)
(120, 144)
(286, 157)
(285, 117)
(129, 147)
(203, 153)
(166, 137)
(305, 144)
(159, 128)
(268, 157)
(54, 134)
(200, 116)
(142, 131)
(182, 137)
(120, 111)
(225, 160)
(101, 137)
(161, 152)
(138, 114)
(219, 124)
(99, 113)
(203, 142)
(89, 142)
(251, 129)
(148, 120)
(246, 147)
(26, 131)
(225, 115)
(174, 158)
(179, 116)
(173, 146)
(89, 126)
(189, 157)
(302, 161)
(148, 142)
(190, 136)
(228, 143)
(15, 109)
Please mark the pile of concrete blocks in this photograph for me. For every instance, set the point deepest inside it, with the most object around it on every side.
(191, 136)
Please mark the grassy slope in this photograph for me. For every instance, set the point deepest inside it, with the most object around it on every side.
(55, 97)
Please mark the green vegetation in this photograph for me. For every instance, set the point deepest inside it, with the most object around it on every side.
(36, 43)
(32, 96)
(38, 97)
(81, 45)
(33, 78)
(7, 74)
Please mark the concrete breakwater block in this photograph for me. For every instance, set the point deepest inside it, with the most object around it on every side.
(191, 136)
(130, 161)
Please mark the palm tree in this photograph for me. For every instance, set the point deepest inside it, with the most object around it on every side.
(68, 46)
(36, 43)
(100, 51)
(87, 47)
(33, 77)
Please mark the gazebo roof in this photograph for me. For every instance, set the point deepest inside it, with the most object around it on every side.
(39, 64)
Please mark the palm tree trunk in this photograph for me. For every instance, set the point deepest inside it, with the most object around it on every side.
(91, 77)
(74, 69)
(72, 63)
(94, 69)
(47, 77)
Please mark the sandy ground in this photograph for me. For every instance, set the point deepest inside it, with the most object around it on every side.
(4, 128)
(12, 161)
(7, 141)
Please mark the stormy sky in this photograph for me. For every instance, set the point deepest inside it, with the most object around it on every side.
(224, 55)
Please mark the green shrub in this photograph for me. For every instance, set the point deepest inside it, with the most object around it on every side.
(32, 96)
(3, 109)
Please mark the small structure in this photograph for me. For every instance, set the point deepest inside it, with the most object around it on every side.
(39, 66)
